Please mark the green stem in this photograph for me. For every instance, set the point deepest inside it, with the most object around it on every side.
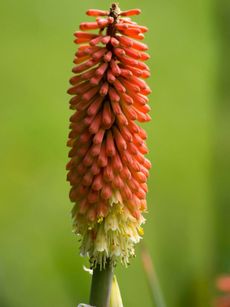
(101, 286)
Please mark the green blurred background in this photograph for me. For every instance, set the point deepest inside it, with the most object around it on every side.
(187, 229)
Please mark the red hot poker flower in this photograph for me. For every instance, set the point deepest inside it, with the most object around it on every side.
(107, 168)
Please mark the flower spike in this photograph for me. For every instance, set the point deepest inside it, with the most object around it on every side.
(107, 168)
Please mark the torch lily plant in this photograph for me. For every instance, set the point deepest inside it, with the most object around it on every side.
(108, 169)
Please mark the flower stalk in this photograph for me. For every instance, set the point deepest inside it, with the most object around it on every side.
(101, 286)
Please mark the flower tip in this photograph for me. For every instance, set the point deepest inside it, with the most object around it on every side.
(131, 12)
(95, 12)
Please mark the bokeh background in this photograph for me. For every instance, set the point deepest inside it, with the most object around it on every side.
(187, 229)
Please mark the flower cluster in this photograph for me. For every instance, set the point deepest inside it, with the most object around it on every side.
(107, 168)
(223, 285)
